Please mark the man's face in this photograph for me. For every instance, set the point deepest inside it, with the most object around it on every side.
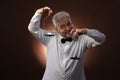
(64, 27)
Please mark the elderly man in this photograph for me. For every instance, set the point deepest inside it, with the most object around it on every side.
(66, 46)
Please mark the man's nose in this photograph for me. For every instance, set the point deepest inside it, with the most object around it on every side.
(67, 27)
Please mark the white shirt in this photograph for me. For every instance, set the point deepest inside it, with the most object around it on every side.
(64, 61)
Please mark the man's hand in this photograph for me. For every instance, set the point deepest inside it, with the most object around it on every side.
(46, 11)
(78, 32)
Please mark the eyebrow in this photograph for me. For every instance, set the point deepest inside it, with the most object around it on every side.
(66, 23)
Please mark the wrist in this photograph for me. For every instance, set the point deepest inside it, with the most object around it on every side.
(84, 31)
(40, 11)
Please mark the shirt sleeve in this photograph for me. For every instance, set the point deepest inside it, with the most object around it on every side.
(94, 38)
(34, 28)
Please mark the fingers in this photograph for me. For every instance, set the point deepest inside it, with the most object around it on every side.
(75, 33)
(49, 13)
(45, 10)
(72, 31)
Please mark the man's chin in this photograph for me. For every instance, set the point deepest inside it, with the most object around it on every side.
(68, 36)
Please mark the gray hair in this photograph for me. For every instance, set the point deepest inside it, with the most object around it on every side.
(60, 15)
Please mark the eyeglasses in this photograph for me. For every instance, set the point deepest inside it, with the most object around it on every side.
(68, 24)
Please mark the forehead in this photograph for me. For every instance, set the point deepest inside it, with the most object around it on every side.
(63, 20)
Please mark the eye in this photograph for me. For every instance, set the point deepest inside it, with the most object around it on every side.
(62, 26)
(68, 24)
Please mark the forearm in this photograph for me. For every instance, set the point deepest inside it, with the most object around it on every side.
(34, 24)
(95, 34)
(40, 16)
(35, 27)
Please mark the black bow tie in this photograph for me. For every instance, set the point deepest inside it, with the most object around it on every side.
(63, 40)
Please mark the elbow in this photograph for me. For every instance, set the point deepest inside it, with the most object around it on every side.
(29, 29)
(103, 38)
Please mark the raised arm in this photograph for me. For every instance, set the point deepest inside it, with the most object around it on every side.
(34, 25)
(93, 37)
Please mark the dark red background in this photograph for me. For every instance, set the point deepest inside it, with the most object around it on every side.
(17, 57)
